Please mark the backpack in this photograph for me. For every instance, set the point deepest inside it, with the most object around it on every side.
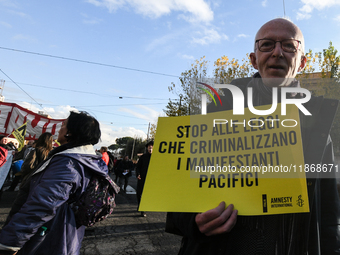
(110, 165)
(96, 202)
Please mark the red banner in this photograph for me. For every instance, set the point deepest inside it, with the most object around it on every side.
(12, 116)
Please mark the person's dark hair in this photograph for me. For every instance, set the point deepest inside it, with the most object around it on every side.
(82, 129)
(149, 143)
(45, 140)
(42, 147)
(103, 148)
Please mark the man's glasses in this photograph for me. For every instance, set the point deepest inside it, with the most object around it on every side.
(288, 45)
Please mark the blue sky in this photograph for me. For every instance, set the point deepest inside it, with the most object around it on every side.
(159, 36)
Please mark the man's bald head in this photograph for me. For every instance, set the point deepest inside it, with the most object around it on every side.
(282, 24)
(279, 52)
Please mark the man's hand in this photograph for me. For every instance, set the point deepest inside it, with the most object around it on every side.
(217, 221)
(8, 252)
(138, 177)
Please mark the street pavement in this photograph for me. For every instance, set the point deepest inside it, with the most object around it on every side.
(124, 232)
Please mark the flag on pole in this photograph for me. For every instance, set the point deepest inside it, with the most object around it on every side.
(19, 134)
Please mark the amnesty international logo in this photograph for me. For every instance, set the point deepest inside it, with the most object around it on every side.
(300, 201)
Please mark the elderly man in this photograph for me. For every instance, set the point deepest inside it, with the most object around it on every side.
(278, 56)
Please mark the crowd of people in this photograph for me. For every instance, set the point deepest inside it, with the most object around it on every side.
(49, 177)
(123, 168)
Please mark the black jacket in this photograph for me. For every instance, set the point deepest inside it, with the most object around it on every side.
(142, 166)
(125, 165)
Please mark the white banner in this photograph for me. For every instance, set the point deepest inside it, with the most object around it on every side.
(12, 116)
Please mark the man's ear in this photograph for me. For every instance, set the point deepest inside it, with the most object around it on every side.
(302, 63)
(253, 60)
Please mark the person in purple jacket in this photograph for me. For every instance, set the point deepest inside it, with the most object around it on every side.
(45, 224)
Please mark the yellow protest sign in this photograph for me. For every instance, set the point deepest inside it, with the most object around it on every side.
(254, 162)
(19, 134)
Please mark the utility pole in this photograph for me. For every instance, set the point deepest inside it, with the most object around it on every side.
(180, 106)
(2, 85)
(284, 9)
(133, 147)
(147, 137)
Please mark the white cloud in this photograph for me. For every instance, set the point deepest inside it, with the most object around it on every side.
(59, 112)
(162, 41)
(337, 18)
(112, 5)
(209, 36)
(109, 134)
(264, 3)
(8, 3)
(309, 5)
(90, 20)
(147, 114)
(242, 35)
(301, 16)
(169, 25)
(21, 37)
(5, 24)
(198, 10)
(20, 14)
(30, 107)
(184, 56)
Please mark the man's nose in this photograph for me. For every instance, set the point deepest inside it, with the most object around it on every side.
(278, 52)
